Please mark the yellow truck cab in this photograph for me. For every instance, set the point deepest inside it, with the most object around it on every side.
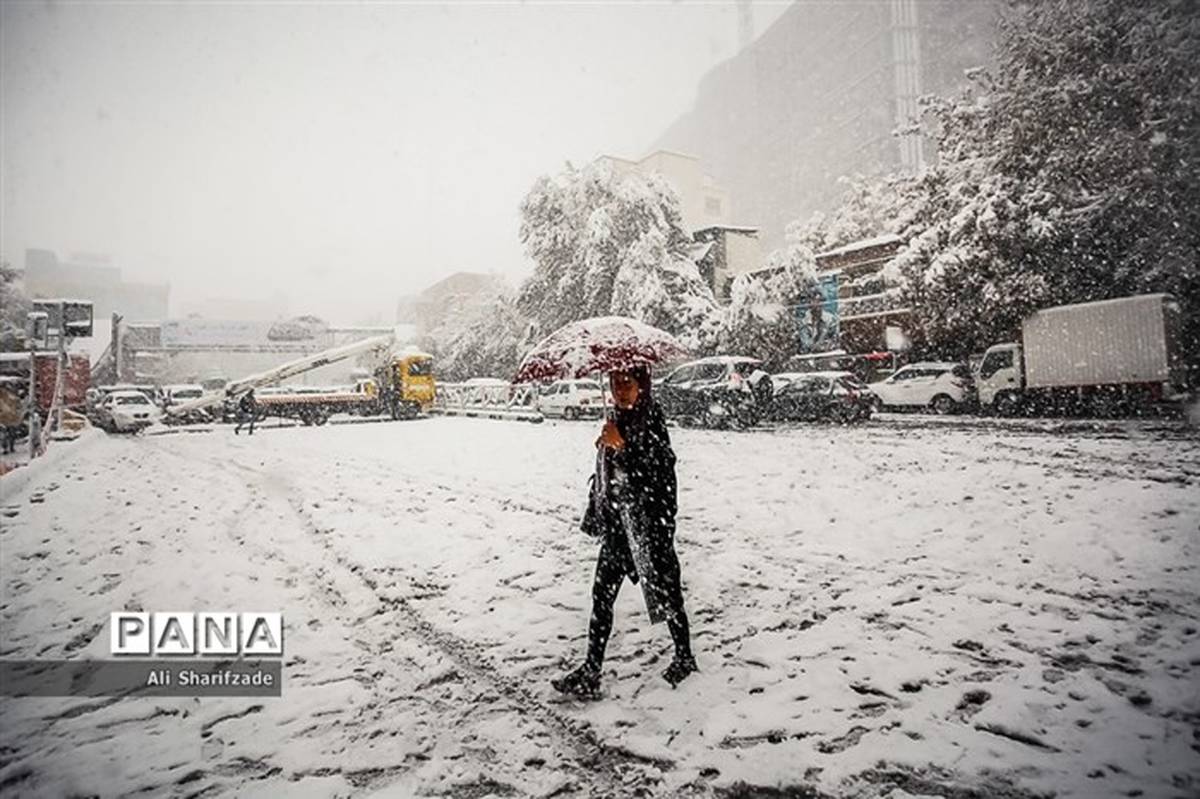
(406, 384)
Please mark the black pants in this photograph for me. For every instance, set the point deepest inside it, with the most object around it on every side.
(611, 570)
(245, 417)
(10, 439)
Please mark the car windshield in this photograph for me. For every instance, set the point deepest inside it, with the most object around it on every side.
(420, 367)
(190, 393)
(131, 400)
(709, 371)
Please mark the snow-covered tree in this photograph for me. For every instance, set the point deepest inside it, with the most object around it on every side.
(608, 243)
(1069, 173)
(485, 338)
(14, 305)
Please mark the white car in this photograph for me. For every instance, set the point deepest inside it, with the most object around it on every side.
(126, 411)
(180, 393)
(941, 387)
(571, 399)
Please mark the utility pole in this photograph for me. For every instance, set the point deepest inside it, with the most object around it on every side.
(60, 374)
(36, 328)
(115, 344)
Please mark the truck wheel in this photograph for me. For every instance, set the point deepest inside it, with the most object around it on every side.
(943, 404)
(1005, 404)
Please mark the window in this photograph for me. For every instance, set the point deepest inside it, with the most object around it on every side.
(903, 374)
(745, 368)
(139, 400)
(710, 371)
(994, 362)
(420, 368)
(680, 375)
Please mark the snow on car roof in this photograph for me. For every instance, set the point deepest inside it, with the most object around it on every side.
(932, 365)
(828, 375)
(723, 359)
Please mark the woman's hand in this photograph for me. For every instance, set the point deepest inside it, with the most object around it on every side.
(610, 436)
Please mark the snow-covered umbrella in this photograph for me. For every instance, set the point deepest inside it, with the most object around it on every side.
(599, 344)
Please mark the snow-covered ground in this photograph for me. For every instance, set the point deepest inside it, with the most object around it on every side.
(904, 609)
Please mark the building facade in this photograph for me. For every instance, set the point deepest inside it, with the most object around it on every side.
(93, 278)
(823, 95)
(703, 203)
(870, 311)
(729, 251)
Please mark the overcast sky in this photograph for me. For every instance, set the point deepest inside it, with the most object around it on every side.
(335, 155)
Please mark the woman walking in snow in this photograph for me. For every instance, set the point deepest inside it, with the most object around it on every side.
(633, 513)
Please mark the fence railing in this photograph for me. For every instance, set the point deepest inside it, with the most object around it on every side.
(517, 398)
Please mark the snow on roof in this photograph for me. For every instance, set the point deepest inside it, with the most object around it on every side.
(733, 228)
(486, 381)
(412, 352)
(932, 365)
(855, 246)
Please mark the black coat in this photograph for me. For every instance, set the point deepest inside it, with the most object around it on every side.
(648, 463)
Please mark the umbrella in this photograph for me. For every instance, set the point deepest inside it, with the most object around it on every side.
(600, 344)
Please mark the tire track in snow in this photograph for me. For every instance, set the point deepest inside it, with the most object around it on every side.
(607, 771)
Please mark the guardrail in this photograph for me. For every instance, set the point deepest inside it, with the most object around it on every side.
(497, 400)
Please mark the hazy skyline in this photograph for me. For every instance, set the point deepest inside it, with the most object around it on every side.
(339, 155)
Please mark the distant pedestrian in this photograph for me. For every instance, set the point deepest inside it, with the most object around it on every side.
(12, 413)
(633, 513)
(247, 412)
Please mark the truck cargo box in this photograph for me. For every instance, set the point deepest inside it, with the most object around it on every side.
(1110, 342)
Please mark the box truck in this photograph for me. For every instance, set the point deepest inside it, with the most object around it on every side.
(1102, 357)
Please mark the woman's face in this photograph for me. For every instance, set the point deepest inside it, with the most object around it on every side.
(624, 389)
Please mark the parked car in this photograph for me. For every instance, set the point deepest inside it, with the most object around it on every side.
(125, 412)
(717, 392)
(182, 392)
(941, 387)
(869, 367)
(823, 396)
(571, 399)
(178, 394)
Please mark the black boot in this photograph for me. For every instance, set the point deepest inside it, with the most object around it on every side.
(681, 666)
(582, 683)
